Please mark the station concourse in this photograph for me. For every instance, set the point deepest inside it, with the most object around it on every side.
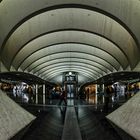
(87, 50)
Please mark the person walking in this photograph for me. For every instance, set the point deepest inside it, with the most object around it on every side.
(63, 97)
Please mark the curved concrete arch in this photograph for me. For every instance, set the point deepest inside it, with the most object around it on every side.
(69, 45)
(69, 65)
(124, 12)
(62, 70)
(85, 75)
(69, 48)
(84, 71)
(47, 63)
(97, 26)
(113, 52)
(76, 67)
(112, 9)
(72, 37)
(58, 56)
(59, 61)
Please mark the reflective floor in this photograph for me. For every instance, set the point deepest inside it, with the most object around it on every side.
(91, 120)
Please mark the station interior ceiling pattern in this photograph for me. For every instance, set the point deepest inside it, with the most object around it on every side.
(49, 37)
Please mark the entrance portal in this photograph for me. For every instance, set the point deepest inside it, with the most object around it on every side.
(70, 91)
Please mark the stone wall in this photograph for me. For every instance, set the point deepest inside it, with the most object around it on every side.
(13, 118)
(127, 117)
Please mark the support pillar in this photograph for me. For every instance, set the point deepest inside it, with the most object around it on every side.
(104, 92)
(36, 94)
(96, 97)
(44, 94)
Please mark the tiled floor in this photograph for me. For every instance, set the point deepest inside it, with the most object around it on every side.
(50, 122)
(48, 125)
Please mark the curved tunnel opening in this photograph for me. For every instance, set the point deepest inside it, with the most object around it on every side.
(73, 65)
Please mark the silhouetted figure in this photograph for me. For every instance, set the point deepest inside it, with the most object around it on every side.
(107, 98)
(99, 95)
(135, 89)
(115, 91)
(30, 94)
(63, 97)
(87, 94)
(125, 92)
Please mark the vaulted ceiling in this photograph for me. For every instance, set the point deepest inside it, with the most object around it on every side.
(49, 37)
